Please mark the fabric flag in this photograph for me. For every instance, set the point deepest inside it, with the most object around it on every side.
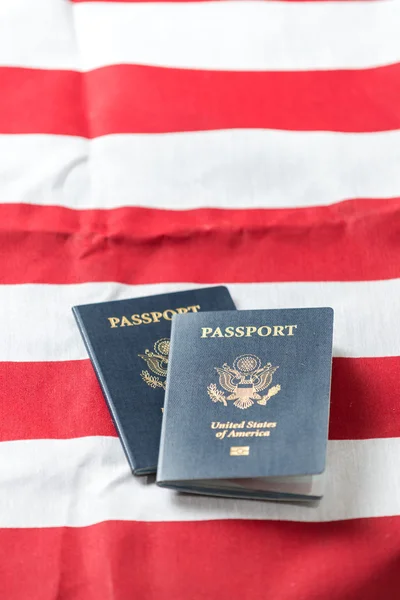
(156, 146)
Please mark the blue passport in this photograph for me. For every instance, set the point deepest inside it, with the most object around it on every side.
(128, 343)
(247, 404)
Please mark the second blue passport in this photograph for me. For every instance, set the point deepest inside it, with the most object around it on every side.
(128, 343)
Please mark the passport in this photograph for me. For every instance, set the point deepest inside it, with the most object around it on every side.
(247, 404)
(128, 343)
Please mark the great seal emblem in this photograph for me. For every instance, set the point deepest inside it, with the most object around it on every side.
(157, 362)
(244, 380)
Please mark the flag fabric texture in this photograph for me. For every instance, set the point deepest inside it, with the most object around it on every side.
(147, 147)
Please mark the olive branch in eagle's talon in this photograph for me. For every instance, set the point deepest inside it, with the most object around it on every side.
(152, 380)
(215, 394)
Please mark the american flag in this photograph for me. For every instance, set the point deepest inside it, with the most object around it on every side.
(156, 146)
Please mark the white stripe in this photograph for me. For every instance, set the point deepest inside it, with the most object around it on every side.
(37, 33)
(214, 35)
(78, 482)
(240, 35)
(45, 169)
(37, 324)
(226, 169)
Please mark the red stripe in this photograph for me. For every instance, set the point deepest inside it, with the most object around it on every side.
(195, 100)
(349, 241)
(363, 398)
(64, 400)
(186, 100)
(36, 101)
(210, 560)
(51, 400)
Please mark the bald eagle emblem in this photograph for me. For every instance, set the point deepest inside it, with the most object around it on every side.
(245, 380)
(157, 363)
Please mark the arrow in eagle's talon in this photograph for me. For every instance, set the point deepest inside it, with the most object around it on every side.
(272, 392)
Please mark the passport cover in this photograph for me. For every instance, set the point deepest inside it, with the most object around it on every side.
(247, 403)
(128, 343)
